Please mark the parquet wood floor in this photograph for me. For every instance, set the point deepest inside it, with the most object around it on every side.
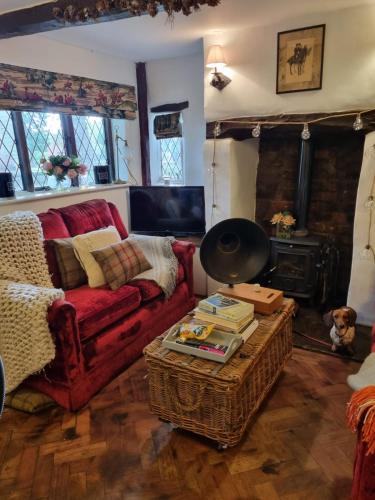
(298, 446)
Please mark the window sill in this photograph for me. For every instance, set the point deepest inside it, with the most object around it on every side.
(24, 196)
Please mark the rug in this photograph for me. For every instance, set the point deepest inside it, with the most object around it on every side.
(308, 321)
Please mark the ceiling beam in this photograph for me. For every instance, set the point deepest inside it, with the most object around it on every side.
(41, 18)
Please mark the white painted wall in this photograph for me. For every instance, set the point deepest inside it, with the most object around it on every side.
(37, 51)
(41, 202)
(361, 294)
(233, 181)
(177, 80)
(348, 76)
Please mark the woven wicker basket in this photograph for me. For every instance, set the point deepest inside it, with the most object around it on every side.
(217, 401)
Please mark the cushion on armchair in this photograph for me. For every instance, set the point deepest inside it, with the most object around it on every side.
(98, 308)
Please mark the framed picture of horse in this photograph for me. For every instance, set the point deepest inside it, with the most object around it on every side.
(300, 59)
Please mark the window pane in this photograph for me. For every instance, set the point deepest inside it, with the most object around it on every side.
(44, 138)
(9, 161)
(90, 141)
(171, 159)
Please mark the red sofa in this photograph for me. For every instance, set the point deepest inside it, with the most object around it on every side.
(97, 331)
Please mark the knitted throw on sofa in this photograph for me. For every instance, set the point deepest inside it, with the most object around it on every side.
(361, 409)
(159, 252)
(26, 292)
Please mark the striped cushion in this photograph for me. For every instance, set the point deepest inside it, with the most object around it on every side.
(72, 274)
(121, 262)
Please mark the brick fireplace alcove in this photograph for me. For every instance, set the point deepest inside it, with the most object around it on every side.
(336, 166)
(336, 159)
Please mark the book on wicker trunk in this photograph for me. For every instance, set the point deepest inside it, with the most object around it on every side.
(233, 326)
(226, 308)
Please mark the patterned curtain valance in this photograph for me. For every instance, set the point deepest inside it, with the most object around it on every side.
(26, 89)
(167, 126)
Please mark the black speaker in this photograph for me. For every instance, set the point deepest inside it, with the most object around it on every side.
(102, 174)
(6, 185)
(234, 251)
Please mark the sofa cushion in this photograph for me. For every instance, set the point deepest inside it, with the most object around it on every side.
(150, 290)
(121, 262)
(88, 216)
(72, 274)
(98, 308)
(53, 225)
(84, 244)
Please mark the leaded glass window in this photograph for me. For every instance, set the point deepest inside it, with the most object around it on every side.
(171, 156)
(90, 141)
(44, 137)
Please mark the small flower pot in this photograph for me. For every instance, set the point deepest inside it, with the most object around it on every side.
(284, 232)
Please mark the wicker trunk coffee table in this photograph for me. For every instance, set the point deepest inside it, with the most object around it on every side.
(218, 400)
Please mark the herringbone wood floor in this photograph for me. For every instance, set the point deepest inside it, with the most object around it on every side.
(298, 446)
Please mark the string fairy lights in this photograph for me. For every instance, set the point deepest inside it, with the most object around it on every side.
(305, 133)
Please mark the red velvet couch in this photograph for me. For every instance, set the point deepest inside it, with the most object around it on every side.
(97, 331)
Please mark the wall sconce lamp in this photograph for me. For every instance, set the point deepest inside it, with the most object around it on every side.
(216, 60)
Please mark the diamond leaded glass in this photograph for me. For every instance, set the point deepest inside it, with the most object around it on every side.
(9, 161)
(171, 159)
(90, 142)
(44, 138)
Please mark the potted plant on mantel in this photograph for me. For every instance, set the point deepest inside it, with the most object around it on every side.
(284, 222)
(63, 167)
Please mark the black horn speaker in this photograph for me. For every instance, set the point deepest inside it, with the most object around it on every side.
(234, 251)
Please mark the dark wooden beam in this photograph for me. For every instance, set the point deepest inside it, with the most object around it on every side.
(239, 129)
(109, 147)
(143, 122)
(41, 18)
(170, 108)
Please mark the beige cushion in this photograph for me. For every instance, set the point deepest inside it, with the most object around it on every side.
(84, 244)
(121, 262)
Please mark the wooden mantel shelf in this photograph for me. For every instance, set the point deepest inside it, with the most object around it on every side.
(242, 130)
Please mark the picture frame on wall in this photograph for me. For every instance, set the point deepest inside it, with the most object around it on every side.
(300, 54)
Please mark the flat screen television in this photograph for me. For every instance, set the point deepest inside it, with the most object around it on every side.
(167, 210)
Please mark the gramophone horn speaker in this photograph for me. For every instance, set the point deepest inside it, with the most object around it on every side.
(234, 251)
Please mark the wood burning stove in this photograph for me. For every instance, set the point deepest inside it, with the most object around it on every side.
(297, 264)
(304, 266)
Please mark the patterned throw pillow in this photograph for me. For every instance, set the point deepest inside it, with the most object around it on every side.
(72, 274)
(84, 244)
(121, 262)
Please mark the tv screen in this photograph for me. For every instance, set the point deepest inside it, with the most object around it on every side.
(164, 210)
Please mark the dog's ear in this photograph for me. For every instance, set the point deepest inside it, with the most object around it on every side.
(352, 315)
(328, 319)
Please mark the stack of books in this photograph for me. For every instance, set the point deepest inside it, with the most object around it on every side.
(228, 314)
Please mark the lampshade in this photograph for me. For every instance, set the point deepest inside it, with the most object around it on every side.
(215, 57)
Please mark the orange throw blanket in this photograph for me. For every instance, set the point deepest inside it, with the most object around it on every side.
(361, 410)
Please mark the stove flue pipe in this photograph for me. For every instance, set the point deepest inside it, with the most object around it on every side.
(303, 187)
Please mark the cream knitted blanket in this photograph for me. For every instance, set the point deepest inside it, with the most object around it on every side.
(26, 292)
(158, 251)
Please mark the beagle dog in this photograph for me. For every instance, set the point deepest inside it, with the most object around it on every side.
(342, 323)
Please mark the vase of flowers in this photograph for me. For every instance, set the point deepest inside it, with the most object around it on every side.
(284, 222)
(63, 168)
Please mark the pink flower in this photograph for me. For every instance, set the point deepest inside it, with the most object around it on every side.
(67, 162)
(47, 166)
(82, 169)
(58, 170)
(71, 173)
